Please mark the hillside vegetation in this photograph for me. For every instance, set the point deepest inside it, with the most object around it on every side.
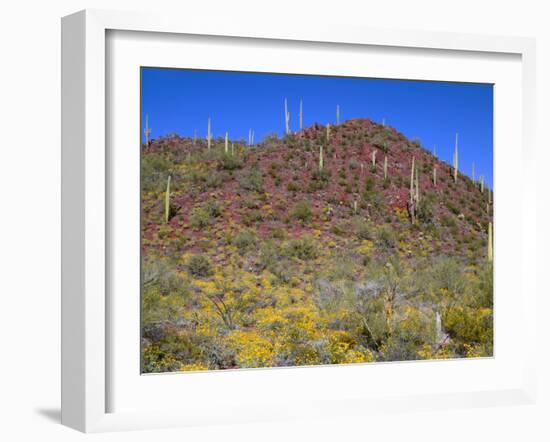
(311, 249)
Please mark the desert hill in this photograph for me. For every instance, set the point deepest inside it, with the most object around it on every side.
(324, 246)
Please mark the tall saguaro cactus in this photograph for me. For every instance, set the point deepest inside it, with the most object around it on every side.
(287, 119)
(337, 115)
(167, 201)
(321, 160)
(435, 151)
(455, 159)
(482, 183)
(385, 167)
(374, 158)
(490, 242)
(473, 172)
(328, 132)
(147, 130)
(209, 134)
(226, 143)
(412, 195)
(435, 176)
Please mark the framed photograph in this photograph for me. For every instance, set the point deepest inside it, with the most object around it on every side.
(265, 223)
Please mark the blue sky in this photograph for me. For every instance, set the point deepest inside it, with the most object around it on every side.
(180, 101)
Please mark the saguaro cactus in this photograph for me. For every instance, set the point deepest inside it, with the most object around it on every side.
(337, 114)
(226, 143)
(435, 177)
(209, 133)
(321, 161)
(167, 201)
(195, 137)
(455, 159)
(482, 183)
(473, 172)
(287, 119)
(413, 195)
(386, 167)
(252, 137)
(435, 151)
(374, 158)
(232, 150)
(301, 114)
(147, 130)
(328, 132)
(490, 243)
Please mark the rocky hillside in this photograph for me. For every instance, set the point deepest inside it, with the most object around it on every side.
(315, 233)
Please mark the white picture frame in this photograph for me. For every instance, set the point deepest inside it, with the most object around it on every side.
(85, 195)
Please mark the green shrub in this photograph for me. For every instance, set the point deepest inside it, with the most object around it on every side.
(386, 237)
(302, 212)
(252, 179)
(364, 229)
(426, 209)
(244, 241)
(200, 218)
(302, 248)
(198, 265)
(292, 187)
(375, 200)
(230, 162)
(369, 184)
(154, 170)
(251, 216)
(322, 176)
(353, 164)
